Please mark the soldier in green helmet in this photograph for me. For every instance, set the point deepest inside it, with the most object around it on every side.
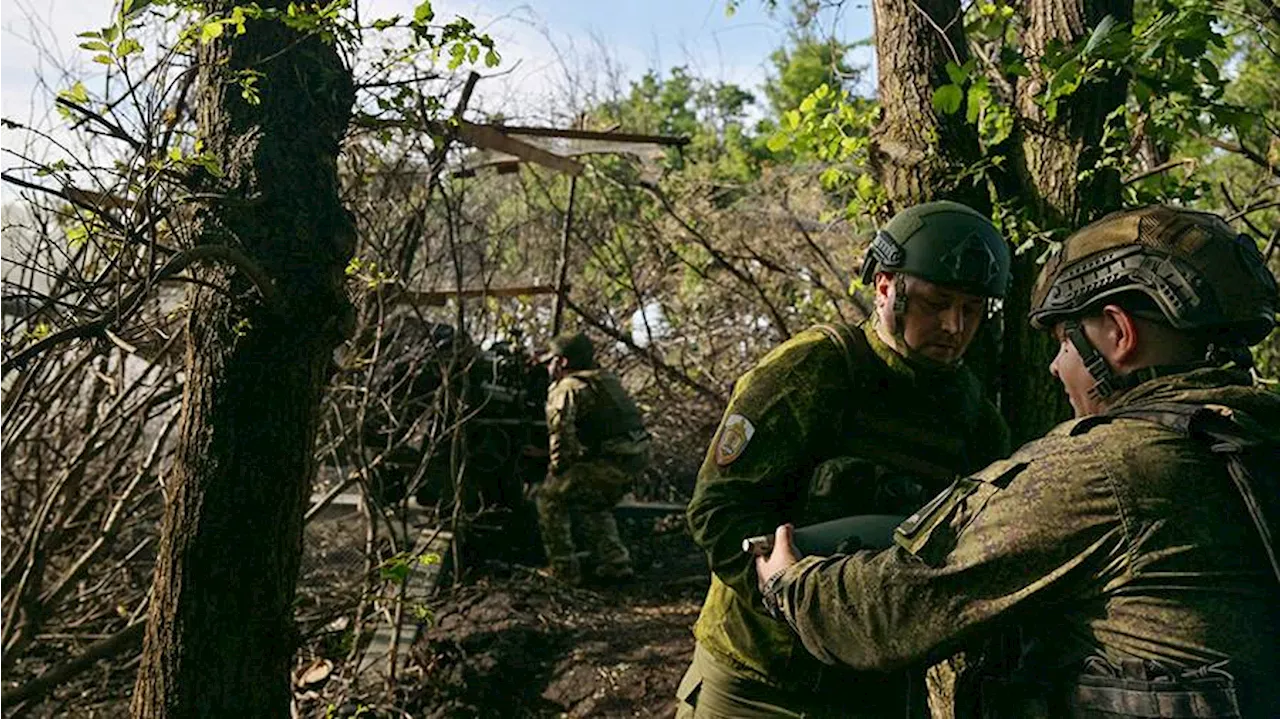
(1126, 564)
(598, 446)
(838, 421)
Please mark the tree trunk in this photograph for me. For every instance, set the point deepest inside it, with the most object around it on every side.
(916, 151)
(1062, 189)
(220, 636)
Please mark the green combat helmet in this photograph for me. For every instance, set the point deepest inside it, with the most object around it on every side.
(945, 243)
(573, 346)
(1196, 273)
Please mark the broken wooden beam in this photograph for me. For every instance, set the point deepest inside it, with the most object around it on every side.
(485, 136)
(638, 138)
(435, 298)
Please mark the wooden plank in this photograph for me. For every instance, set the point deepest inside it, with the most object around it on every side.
(419, 587)
(490, 139)
(435, 298)
(669, 140)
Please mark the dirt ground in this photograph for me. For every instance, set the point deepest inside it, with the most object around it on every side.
(509, 642)
(505, 642)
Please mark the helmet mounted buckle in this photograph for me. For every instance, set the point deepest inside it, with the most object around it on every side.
(885, 253)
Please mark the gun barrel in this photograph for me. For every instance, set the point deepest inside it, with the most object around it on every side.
(864, 531)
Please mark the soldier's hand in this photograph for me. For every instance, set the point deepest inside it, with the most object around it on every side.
(784, 555)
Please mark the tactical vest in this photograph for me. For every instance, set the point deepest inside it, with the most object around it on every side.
(896, 434)
(903, 448)
(610, 413)
(1143, 689)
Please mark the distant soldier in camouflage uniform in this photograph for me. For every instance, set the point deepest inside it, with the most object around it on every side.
(598, 446)
(837, 421)
(1125, 565)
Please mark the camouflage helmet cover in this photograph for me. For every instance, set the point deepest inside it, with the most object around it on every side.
(944, 242)
(573, 346)
(1198, 271)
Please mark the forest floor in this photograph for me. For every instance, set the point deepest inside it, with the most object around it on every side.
(506, 641)
(501, 641)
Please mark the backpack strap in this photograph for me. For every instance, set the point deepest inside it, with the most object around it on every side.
(853, 347)
(1242, 450)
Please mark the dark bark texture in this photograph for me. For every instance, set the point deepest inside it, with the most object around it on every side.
(1062, 187)
(916, 151)
(220, 637)
(918, 154)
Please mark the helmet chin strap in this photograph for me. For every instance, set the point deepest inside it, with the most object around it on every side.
(1105, 379)
(1107, 382)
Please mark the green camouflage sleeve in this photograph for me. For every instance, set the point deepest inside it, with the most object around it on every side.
(1024, 531)
(764, 451)
(564, 403)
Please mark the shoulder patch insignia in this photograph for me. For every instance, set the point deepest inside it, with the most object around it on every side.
(734, 437)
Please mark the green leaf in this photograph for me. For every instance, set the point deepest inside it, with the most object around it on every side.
(777, 142)
(127, 47)
(956, 73)
(1210, 72)
(132, 8)
(1142, 92)
(95, 46)
(423, 14)
(77, 235)
(76, 93)
(973, 108)
(1065, 80)
(210, 32)
(1099, 35)
(491, 58)
(947, 99)
(102, 59)
(473, 54)
(865, 187)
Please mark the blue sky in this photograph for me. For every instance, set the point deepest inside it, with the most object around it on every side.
(550, 43)
(658, 34)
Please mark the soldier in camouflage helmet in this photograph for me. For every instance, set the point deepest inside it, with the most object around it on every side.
(598, 446)
(1125, 565)
(838, 421)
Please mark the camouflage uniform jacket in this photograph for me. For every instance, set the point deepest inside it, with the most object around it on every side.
(817, 431)
(590, 416)
(1115, 538)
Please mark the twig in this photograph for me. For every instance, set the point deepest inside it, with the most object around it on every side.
(123, 640)
(1240, 149)
(176, 264)
(648, 354)
(1163, 167)
(113, 129)
(1249, 209)
(779, 322)
(951, 48)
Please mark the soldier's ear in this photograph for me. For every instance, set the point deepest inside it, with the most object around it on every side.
(883, 285)
(1120, 338)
